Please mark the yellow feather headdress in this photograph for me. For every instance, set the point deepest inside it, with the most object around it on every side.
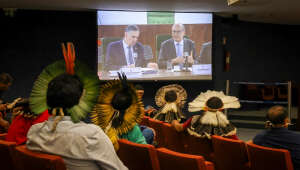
(103, 112)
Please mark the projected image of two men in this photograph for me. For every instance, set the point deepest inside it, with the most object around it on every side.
(155, 45)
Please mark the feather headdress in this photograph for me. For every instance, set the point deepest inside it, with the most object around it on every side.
(199, 103)
(90, 81)
(106, 112)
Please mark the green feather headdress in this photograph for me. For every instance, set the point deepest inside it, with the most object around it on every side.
(90, 81)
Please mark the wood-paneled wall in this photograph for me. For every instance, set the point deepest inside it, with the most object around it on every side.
(199, 33)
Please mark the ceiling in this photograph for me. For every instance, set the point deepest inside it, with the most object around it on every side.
(268, 11)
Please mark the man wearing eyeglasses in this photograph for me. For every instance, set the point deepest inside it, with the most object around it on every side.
(127, 52)
(177, 50)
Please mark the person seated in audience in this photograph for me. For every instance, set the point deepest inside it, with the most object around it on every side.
(118, 111)
(211, 120)
(22, 121)
(278, 136)
(170, 99)
(5, 82)
(149, 110)
(4, 124)
(70, 91)
(148, 133)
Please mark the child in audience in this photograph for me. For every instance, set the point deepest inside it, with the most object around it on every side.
(211, 120)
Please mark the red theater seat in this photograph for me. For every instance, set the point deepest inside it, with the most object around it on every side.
(145, 121)
(264, 158)
(157, 126)
(29, 160)
(137, 156)
(3, 136)
(6, 155)
(230, 154)
(173, 140)
(179, 161)
(200, 146)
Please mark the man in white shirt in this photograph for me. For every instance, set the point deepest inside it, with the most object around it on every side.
(82, 146)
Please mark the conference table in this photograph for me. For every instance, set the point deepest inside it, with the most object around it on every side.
(159, 75)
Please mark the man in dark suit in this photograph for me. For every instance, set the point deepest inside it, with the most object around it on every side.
(126, 52)
(173, 50)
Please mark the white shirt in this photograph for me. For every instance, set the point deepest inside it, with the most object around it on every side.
(126, 50)
(180, 46)
(82, 146)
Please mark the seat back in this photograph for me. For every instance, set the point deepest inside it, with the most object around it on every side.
(145, 121)
(174, 160)
(3, 136)
(200, 146)
(26, 159)
(230, 154)
(137, 156)
(157, 126)
(6, 154)
(264, 158)
(173, 140)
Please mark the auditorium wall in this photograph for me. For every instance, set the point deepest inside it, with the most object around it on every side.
(31, 40)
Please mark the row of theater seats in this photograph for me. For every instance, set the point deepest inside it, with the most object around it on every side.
(14, 157)
(226, 154)
(147, 157)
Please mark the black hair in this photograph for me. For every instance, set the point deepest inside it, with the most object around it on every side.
(139, 87)
(121, 101)
(64, 91)
(171, 96)
(277, 115)
(132, 28)
(214, 103)
(6, 78)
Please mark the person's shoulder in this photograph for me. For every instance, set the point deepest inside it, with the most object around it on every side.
(37, 127)
(168, 41)
(259, 136)
(294, 134)
(86, 129)
(136, 128)
(92, 132)
(138, 45)
(115, 43)
(189, 41)
(209, 43)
